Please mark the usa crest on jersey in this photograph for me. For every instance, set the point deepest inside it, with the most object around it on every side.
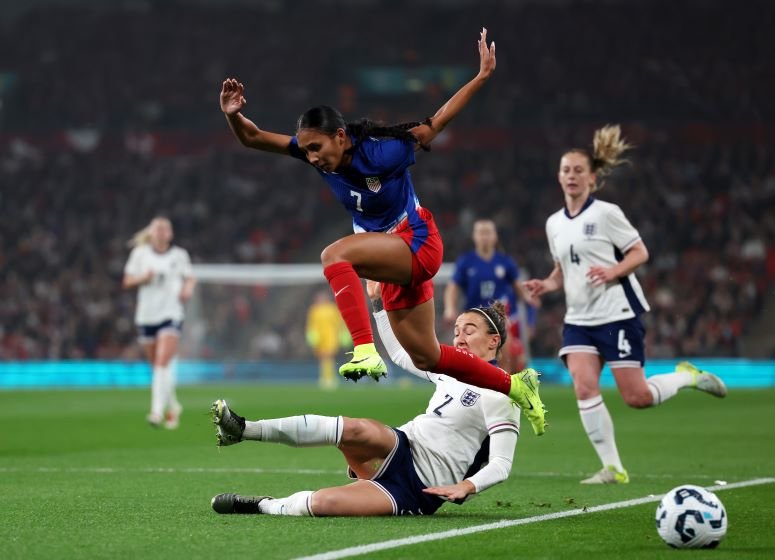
(373, 184)
(469, 398)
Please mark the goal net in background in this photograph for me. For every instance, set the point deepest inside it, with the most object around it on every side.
(248, 321)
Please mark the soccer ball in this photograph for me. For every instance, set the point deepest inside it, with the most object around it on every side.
(691, 517)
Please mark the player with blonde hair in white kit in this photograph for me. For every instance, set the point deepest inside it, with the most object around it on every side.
(162, 273)
(463, 444)
(596, 251)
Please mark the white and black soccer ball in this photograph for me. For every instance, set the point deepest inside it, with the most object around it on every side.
(691, 517)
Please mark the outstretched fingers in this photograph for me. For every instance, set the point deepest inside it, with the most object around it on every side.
(231, 85)
(486, 54)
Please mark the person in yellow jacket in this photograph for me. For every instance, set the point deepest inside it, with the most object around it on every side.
(326, 334)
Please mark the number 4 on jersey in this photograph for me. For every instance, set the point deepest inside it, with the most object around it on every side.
(574, 257)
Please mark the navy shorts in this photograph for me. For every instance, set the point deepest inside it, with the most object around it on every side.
(398, 479)
(620, 344)
(148, 333)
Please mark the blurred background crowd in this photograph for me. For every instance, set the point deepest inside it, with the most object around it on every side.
(109, 115)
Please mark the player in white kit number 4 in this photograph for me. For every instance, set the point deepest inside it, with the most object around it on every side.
(411, 470)
(596, 251)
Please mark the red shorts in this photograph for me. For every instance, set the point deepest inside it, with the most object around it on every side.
(426, 261)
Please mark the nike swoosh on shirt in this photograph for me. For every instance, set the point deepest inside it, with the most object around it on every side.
(340, 291)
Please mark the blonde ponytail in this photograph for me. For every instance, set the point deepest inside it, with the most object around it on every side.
(607, 146)
(142, 237)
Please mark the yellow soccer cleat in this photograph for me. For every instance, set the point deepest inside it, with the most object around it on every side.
(524, 392)
(365, 361)
(608, 475)
(704, 380)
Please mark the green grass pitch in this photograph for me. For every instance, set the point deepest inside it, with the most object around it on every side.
(83, 476)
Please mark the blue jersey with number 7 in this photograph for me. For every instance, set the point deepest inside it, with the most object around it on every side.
(376, 188)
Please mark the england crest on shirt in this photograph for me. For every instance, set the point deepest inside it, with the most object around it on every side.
(589, 229)
(373, 184)
(469, 398)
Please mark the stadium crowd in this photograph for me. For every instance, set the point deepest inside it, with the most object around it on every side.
(109, 118)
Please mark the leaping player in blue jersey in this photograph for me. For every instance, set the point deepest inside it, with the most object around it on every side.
(396, 241)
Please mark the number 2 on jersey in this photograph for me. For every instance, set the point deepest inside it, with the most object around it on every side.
(437, 410)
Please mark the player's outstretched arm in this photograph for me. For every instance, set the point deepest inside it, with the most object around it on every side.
(426, 133)
(246, 131)
(633, 258)
(452, 492)
(497, 469)
(536, 288)
(130, 281)
(397, 354)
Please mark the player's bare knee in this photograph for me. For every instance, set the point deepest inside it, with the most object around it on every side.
(424, 361)
(585, 390)
(332, 254)
(322, 503)
(354, 430)
(638, 400)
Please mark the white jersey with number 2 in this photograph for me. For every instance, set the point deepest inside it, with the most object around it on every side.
(447, 439)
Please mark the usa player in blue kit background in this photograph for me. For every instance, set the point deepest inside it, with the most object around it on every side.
(596, 251)
(484, 275)
(396, 241)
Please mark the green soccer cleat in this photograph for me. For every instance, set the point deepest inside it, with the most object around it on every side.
(234, 503)
(229, 425)
(365, 361)
(704, 380)
(608, 475)
(524, 391)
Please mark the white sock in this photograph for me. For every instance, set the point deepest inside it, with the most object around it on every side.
(666, 385)
(296, 504)
(172, 381)
(159, 391)
(600, 430)
(299, 431)
(164, 374)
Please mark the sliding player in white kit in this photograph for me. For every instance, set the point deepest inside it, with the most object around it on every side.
(596, 251)
(162, 273)
(410, 470)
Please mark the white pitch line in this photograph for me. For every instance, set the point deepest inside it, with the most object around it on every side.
(385, 545)
(261, 470)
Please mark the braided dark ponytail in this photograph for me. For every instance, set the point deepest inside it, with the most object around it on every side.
(328, 120)
(365, 128)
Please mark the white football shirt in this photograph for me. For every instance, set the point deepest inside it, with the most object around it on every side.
(159, 300)
(598, 235)
(446, 439)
